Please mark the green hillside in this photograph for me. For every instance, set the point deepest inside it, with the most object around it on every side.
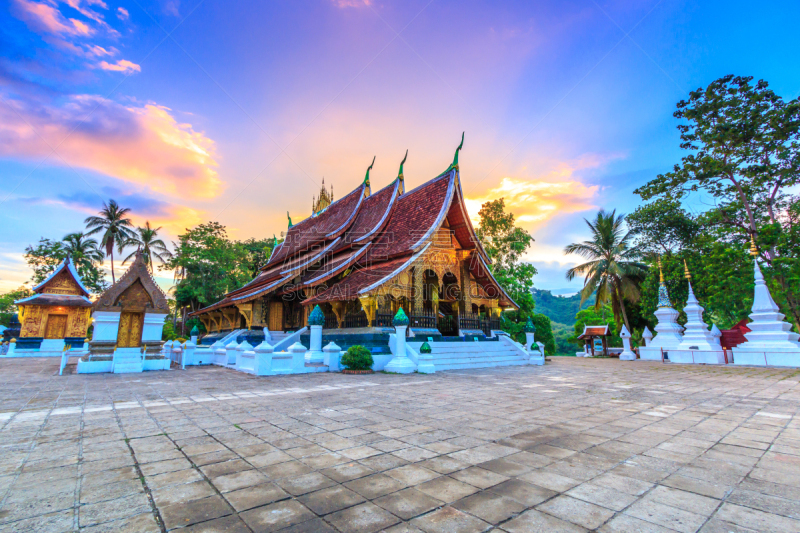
(561, 309)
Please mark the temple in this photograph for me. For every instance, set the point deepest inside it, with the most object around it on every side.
(56, 316)
(366, 255)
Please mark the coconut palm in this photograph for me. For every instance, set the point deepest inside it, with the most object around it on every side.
(150, 247)
(115, 227)
(612, 269)
(80, 247)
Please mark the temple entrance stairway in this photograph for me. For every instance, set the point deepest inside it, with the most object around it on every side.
(278, 336)
(459, 355)
(127, 360)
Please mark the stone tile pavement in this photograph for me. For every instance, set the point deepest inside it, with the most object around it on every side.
(576, 445)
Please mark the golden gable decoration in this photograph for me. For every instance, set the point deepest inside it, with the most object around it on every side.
(136, 290)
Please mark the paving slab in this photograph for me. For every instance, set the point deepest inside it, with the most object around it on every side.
(621, 446)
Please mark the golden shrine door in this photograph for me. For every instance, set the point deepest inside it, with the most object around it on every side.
(56, 327)
(129, 334)
(276, 316)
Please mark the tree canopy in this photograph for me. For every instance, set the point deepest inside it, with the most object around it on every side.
(505, 243)
(743, 144)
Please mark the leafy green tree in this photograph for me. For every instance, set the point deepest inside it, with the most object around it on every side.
(146, 241)
(7, 306)
(662, 227)
(505, 243)
(257, 254)
(744, 153)
(81, 248)
(211, 265)
(544, 333)
(613, 271)
(115, 228)
(48, 254)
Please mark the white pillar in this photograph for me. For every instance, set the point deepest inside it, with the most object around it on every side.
(219, 353)
(188, 353)
(400, 363)
(230, 352)
(177, 350)
(528, 339)
(267, 335)
(627, 354)
(333, 354)
(314, 354)
(262, 365)
(647, 336)
(243, 347)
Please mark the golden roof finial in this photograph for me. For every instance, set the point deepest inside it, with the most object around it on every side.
(660, 272)
(686, 268)
(753, 248)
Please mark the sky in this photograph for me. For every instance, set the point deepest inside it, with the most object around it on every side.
(191, 111)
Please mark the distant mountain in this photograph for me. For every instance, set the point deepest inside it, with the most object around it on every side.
(561, 309)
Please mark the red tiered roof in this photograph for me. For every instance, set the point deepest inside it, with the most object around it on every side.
(414, 218)
(329, 224)
(375, 236)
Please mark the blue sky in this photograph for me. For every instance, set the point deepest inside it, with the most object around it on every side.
(195, 111)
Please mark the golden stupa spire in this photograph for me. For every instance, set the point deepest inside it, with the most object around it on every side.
(686, 269)
(660, 271)
(753, 248)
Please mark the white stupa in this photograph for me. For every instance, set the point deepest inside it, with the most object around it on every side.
(699, 345)
(770, 340)
(696, 335)
(668, 331)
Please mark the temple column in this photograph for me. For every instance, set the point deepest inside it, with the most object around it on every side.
(418, 293)
(466, 295)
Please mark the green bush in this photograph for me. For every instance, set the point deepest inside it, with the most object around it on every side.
(357, 358)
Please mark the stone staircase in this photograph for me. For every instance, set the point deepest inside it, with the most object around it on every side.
(459, 355)
(127, 360)
(278, 336)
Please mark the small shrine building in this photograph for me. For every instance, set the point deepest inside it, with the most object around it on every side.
(130, 313)
(364, 256)
(57, 314)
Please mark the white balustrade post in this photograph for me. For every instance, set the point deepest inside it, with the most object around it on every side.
(177, 350)
(627, 354)
(12, 347)
(299, 357)
(243, 347)
(188, 353)
(333, 354)
(400, 363)
(316, 319)
(219, 353)
(230, 352)
(263, 359)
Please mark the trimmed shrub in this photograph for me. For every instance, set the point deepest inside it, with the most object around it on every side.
(357, 358)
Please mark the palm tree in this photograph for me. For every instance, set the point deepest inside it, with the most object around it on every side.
(612, 269)
(80, 247)
(149, 246)
(115, 227)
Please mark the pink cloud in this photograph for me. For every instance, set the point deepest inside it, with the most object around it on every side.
(351, 3)
(45, 18)
(144, 145)
(123, 65)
